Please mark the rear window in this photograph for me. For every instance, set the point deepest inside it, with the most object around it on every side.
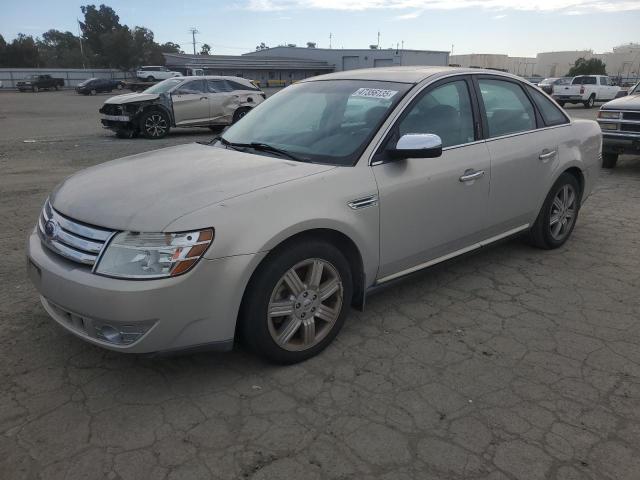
(584, 81)
(551, 114)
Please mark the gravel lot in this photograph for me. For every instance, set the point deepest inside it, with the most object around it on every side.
(512, 363)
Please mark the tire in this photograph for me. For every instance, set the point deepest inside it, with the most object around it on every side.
(590, 102)
(124, 133)
(94, 92)
(120, 86)
(268, 289)
(150, 79)
(542, 234)
(154, 124)
(35, 89)
(609, 160)
(56, 87)
(239, 113)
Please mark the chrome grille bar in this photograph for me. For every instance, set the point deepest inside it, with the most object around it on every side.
(76, 241)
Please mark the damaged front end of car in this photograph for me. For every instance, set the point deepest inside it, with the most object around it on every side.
(126, 118)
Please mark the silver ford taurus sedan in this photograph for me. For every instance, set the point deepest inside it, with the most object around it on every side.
(332, 187)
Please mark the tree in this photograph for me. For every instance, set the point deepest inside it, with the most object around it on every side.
(59, 49)
(262, 46)
(170, 47)
(99, 23)
(22, 52)
(593, 66)
(119, 48)
(206, 49)
(3, 51)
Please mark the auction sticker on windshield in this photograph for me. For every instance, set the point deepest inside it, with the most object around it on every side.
(374, 93)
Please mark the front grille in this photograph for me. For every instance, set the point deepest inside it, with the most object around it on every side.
(631, 115)
(112, 109)
(76, 241)
(630, 127)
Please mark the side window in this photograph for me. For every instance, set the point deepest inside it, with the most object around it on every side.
(218, 86)
(445, 111)
(507, 107)
(192, 87)
(551, 114)
(239, 86)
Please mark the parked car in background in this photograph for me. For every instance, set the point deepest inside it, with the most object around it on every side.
(620, 123)
(153, 73)
(91, 86)
(36, 83)
(586, 89)
(331, 188)
(547, 84)
(210, 101)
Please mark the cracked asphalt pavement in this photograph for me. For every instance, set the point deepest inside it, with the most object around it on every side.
(512, 363)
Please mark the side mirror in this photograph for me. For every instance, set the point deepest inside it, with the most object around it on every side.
(417, 145)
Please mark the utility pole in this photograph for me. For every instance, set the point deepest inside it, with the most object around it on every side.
(193, 31)
(330, 37)
(80, 38)
(402, 44)
(378, 39)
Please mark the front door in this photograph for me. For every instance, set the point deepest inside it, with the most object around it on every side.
(191, 104)
(432, 207)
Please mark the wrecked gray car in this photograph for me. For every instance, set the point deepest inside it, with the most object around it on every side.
(208, 101)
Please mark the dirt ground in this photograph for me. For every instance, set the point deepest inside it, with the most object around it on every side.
(512, 363)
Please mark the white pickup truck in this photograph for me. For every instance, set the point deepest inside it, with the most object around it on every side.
(586, 89)
(154, 73)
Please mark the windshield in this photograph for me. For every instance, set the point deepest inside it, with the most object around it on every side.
(547, 81)
(165, 85)
(323, 121)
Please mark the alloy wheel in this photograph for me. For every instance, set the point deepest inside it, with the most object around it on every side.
(563, 212)
(155, 125)
(305, 304)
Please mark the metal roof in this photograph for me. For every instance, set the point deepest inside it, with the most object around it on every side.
(244, 62)
(409, 74)
(344, 50)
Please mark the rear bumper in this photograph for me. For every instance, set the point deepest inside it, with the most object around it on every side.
(568, 98)
(198, 309)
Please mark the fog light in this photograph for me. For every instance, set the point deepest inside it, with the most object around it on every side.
(609, 126)
(123, 335)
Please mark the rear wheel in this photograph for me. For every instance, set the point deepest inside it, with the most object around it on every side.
(590, 102)
(94, 91)
(558, 215)
(297, 302)
(609, 160)
(154, 124)
(239, 113)
(151, 79)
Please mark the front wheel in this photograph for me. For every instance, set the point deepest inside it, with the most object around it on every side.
(297, 302)
(94, 92)
(154, 124)
(609, 160)
(558, 215)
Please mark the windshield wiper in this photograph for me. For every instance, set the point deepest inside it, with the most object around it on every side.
(265, 147)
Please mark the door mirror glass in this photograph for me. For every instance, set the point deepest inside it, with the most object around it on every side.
(417, 145)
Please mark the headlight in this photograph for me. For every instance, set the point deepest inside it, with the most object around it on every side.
(605, 114)
(153, 255)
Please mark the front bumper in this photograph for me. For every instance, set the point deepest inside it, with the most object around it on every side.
(621, 143)
(195, 310)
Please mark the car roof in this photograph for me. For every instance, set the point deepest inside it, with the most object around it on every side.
(411, 74)
(216, 77)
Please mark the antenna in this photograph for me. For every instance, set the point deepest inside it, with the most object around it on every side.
(193, 31)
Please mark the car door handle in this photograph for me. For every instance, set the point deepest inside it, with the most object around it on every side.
(546, 155)
(203, 98)
(471, 175)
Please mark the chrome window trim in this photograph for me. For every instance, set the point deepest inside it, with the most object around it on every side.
(399, 110)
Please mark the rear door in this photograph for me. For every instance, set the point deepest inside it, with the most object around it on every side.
(523, 149)
(191, 104)
(222, 101)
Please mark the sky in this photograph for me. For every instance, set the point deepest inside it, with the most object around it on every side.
(513, 27)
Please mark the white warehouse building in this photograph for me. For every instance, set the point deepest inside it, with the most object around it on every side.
(623, 61)
(523, 66)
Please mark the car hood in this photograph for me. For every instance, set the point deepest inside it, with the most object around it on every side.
(148, 191)
(630, 102)
(132, 97)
